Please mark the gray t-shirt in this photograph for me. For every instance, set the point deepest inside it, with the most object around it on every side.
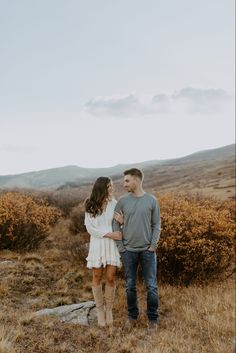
(142, 224)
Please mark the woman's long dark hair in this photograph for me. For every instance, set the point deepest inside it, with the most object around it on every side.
(94, 204)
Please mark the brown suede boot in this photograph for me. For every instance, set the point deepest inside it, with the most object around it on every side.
(109, 300)
(98, 297)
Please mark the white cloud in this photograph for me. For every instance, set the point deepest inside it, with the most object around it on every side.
(202, 101)
(116, 105)
(187, 100)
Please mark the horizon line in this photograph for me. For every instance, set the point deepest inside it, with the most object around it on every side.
(119, 164)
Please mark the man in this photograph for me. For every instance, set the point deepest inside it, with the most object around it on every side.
(141, 233)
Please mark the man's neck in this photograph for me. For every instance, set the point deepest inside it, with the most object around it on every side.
(138, 192)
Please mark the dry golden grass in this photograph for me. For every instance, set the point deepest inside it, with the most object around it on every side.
(192, 320)
(196, 319)
(3, 290)
(6, 338)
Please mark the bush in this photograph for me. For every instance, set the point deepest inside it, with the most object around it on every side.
(76, 251)
(77, 220)
(197, 238)
(24, 223)
(66, 199)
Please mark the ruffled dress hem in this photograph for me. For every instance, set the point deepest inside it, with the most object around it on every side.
(102, 263)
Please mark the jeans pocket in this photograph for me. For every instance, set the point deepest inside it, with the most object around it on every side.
(122, 255)
(149, 255)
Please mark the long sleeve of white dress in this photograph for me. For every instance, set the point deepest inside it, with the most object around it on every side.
(92, 227)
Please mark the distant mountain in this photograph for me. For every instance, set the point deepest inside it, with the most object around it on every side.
(74, 175)
(212, 154)
(56, 177)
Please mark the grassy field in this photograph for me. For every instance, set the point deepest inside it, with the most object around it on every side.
(194, 319)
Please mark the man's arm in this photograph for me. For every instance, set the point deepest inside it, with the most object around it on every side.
(116, 227)
(156, 226)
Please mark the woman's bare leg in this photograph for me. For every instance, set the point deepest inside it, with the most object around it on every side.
(110, 275)
(97, 276)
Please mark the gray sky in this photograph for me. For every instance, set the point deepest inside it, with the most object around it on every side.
(97, 83)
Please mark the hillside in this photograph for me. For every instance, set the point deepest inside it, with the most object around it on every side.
(211, 172)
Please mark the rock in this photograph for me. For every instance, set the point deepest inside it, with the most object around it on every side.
(82, 313)
(7, 263)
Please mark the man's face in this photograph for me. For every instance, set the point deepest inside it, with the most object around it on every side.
(130, 183)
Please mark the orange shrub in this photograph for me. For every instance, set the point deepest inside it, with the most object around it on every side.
(197, 238)
(23, 221)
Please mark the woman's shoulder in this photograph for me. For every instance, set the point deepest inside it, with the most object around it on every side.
(112, 203)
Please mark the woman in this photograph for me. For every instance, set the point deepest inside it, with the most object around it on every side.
(103, 252)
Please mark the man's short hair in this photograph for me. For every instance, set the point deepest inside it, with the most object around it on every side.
(134, 172)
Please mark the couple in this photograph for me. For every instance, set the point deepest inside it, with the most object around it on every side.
(127, 231)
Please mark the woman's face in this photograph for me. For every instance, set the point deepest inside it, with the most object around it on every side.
(110, 189)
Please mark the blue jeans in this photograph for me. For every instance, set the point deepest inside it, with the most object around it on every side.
(148, 263)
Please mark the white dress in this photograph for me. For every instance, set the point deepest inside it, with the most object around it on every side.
(102, 251)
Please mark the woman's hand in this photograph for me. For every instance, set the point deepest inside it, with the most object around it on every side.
(114, 235)
(119, 217)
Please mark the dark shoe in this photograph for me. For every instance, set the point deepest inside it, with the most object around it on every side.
(130, 324)
(153, 326)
